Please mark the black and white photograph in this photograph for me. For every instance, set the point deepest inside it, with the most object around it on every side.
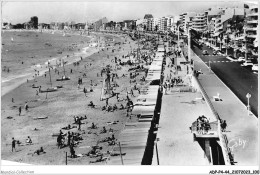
(109, 86)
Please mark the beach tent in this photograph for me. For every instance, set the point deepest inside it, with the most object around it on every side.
(146, 103)
(143, 110)
(150, 88)
(149, 97)
(154, 76)
(155, 67)
(159, 54)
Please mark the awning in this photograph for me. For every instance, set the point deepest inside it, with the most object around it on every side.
(145, 103)
(161, 50)
(143, 110)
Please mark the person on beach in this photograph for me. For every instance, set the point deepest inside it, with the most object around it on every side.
(13, 145)
(26, 107)
(29, 140)
(39, 151)
(20, 110)
(37, 93)
(79, 123)
(59, 140)
(69, 139)
(106, 102)
(132, 93)
(85, 91)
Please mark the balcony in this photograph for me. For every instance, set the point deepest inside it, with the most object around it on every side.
(252, 14)
(251, 29)
(251, 35)
(252, 21)
(198, 19)
(199, 23)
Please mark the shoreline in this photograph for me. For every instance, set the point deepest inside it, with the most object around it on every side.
(13, 81)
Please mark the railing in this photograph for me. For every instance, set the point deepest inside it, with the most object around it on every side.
(224, 146)
(204, 94)
(223, 140)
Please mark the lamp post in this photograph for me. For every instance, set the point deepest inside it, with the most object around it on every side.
(209, 66)
(226, 44)
(178, 36)
(248, 96)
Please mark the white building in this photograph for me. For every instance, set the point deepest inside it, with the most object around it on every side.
(199, 22)
(251, 27)
(155, 22)
(186, 20)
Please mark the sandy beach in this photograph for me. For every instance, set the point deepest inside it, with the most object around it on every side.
(49, 112)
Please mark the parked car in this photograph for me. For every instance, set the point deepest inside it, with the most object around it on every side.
(241, 59)
(255, 67)
(247, 63)
(205, 52)
(214, 52)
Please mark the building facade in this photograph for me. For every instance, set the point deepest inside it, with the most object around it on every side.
(251, 29)
(199, 22)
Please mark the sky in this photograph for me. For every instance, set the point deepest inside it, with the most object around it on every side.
(90, 11)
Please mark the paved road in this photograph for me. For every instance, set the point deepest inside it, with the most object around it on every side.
(240, 80)
(240, 126)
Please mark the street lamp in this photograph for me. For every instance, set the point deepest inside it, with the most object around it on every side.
(209, 66)
(179, 36)
(248, 96)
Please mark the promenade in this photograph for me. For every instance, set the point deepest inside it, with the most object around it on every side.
(242, 129)
(176, 145)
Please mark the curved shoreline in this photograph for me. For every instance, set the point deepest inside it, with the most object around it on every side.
(13, 81)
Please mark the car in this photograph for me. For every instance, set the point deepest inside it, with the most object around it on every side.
(247, 63)
(214, 52)
(255, 67)
(205, 52)
(241, 59)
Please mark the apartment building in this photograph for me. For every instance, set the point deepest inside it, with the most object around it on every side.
(186, 20)
(169, 22)
(251, 26)
(199, 22)
(155, 24)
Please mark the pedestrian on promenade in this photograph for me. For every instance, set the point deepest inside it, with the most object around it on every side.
(13, 145)
(12, 100)
(20, 110)
(223, 126)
